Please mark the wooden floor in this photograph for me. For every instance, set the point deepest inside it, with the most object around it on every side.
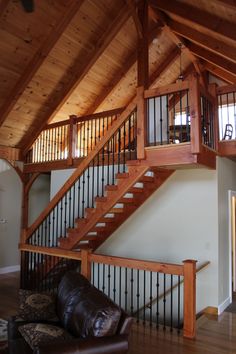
(214, 335)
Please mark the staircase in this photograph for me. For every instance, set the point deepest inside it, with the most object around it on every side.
(131, 190)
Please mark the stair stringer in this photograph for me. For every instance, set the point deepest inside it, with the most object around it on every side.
(104, 206)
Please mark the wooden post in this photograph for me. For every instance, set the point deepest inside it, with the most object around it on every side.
(195, 115)
(86, 263)
(142, 78)
(141, 123)
(189, 298)
(212, 88)
(72, 136)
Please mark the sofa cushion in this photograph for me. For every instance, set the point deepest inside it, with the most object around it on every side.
(95, 315)
(37, 334)
(35, 306)
(68, 295)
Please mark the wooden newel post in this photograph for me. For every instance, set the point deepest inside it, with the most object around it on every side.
(195, 115)
(72, 136)
(189, 298)
(141, 123)
(86, 263)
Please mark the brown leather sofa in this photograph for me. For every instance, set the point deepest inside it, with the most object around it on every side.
(82, 311)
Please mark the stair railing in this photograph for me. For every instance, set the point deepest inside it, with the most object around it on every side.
(71, 138)
(130, 282)
(87, 182)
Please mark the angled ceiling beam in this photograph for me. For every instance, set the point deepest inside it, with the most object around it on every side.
(213, 58)
(130, 61)
(220, 73)
(132, 8)
(170, 58)
(3, 5)
(38, 58)
(79, 72)
(202, 18)
(215, 45)
(231, 4)
(163, 19)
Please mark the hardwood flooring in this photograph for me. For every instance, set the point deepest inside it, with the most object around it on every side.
(214, 335)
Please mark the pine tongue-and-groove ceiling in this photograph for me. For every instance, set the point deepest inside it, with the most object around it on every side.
(79, 56)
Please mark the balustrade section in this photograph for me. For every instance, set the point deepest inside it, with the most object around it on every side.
(73, 138)
(168, 117)
(98, 170)
(227, 113)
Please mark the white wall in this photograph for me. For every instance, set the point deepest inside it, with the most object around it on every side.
(226, 174)
(178, 222)
(10, 210)
(39, 196)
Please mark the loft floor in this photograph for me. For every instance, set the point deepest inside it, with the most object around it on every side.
(214, 336)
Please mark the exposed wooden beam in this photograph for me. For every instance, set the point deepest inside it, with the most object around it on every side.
(170, 58)
(132, 7)
(195, 15)
(130, 61)
(79, 72)
(9, 153)
(163, 19)
(38, 58)
(143, 52)
(231, 4)
(220, 73)
(215, 45)
(212, 58)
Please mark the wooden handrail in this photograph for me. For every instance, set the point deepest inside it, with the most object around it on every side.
(84, 164)
(151, 266)
(225, 89)
(85, 118)
(50, 251)
(168, 89)
(168, 291)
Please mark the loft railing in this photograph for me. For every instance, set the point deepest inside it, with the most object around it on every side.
(227, 112)
(168, 116)
(208, 123)
(88, 182)
(128, 282)
(72, 138)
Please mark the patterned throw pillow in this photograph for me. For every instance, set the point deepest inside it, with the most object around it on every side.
(37, 334)
(37, 306)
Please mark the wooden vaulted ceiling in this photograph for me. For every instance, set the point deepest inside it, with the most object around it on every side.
(79, 56)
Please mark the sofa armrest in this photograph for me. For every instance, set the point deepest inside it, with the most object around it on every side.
(94, 345)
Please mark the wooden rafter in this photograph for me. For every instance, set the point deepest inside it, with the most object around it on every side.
(213, 58)
(132, 8)
(217, 46)
(79, 73)
(38, 59)
(163, 19)
(220, 73)
(195, 15)
(130, 61)
(231, 4)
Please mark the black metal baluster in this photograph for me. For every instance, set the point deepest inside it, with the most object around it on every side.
(113, 159)
(93, 275)
(109, 280)
(138, 295)
(181, 116)
(161, 121)
(103, 163)
(88, 186)
(83, 194)
(114, 283)
(132, 292)
(103, 277)
(150, 299)
(157, 303)
(167, 119)
(144, 297)
(98, 277)
(174, 112)
(171, 302)
(164, 302)
(126, 289)
(119, 149)
(124, 146)
(93, 181)
(178, 310)
(154, 120)
(120, 285)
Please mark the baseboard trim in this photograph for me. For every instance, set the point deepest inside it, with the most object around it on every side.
(210, 310)
(224, 305)
(9, 269)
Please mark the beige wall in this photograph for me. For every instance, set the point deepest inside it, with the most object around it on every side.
(226, 175)
(178, 222)
(10, 210)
